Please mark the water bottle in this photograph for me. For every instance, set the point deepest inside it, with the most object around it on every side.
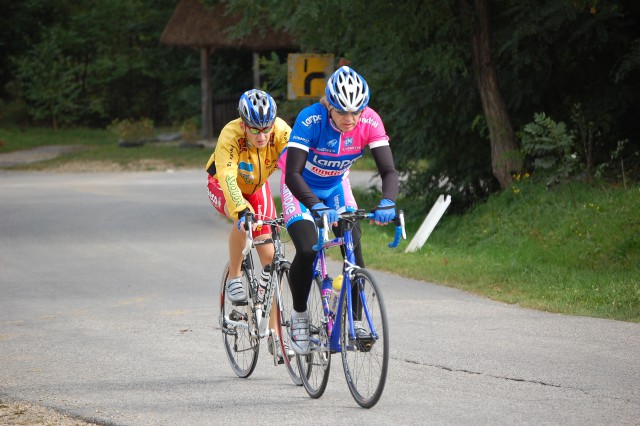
(263, 283)
(326, 292)
(336, 286)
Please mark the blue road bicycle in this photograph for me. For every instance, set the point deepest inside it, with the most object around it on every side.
(357, 328)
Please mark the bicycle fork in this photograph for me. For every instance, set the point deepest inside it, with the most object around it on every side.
(348, 282)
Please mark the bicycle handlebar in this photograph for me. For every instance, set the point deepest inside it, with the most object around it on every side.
(250, 220)
(248, 226)
(362, 215)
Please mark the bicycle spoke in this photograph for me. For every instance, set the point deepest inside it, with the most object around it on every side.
(241, 348)
(365, 359)
(284, 318)
(315, 367)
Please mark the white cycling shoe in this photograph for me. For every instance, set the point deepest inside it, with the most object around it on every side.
(300, 332)
(235, 290)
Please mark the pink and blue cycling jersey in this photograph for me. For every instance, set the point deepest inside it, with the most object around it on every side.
(330, 152)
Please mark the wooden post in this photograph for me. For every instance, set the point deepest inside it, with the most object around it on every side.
(205, 87)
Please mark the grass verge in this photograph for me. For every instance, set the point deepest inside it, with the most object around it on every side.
(100, 146)
(572, 250)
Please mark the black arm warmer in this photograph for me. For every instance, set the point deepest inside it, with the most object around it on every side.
(384, 161)
(297, 158)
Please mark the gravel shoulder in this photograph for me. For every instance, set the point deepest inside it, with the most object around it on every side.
(21, 413)
(34, 155)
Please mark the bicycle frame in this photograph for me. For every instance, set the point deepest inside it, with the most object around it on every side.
(261, 314)
(349, 266)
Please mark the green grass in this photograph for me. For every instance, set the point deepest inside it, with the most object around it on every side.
(533, 247)
(574, 249)
(14, 139)
(101, 145)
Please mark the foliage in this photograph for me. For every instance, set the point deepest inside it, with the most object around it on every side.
(132, 130)
(551, 147)
(100, 60)
(86, 62)
(49, 85)
(190, 130)
(557, 152)
(549, 57)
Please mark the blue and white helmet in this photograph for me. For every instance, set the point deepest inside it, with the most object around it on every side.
(257, 108)
(346, 90)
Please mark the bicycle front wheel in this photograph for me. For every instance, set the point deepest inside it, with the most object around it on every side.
(365, 357)
(285, 306)
(235, 322)
(315, 367)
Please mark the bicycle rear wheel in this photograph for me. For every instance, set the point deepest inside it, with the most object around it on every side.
(242, 349)
(315, 367)
(285, 306)
(366, 358)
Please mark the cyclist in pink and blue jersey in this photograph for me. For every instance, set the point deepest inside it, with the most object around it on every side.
(326, 139)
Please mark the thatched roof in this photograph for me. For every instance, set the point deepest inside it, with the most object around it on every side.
(194, 25)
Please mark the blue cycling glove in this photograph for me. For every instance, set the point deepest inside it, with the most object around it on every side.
(385, 212)
(319, 209)
(242, 217)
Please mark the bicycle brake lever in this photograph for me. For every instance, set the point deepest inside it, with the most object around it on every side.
(400, 230)
(325, 229)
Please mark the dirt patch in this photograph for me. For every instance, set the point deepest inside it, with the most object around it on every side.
(147, 165)
(34, 155)
(27, 414)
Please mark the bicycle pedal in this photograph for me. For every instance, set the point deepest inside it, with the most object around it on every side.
(229, 331)
(237, 316)
(364, 344)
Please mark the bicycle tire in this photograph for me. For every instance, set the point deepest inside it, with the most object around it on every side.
(365, 361)
(285, 306)
(315, 367)
(242, 349)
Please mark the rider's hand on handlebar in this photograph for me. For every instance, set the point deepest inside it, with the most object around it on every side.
(385, 212)
(332, 216)
(242, 219)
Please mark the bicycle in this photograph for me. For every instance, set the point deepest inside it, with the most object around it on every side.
(365, 355)
(243, 324)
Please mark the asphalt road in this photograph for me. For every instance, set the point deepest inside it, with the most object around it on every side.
(108, 312)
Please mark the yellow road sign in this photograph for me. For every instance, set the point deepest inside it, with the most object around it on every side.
(308, 74)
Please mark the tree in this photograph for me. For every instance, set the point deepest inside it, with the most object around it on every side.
(454, 92)
(49, 82)
(504, 150)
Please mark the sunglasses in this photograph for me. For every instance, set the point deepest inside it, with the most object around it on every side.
(345, 113)
(256, 131)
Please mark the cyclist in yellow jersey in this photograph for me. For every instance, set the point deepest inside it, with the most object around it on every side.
(246, 154)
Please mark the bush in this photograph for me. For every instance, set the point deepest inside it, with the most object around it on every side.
(190, 130)
(128, 130)
(550, 147)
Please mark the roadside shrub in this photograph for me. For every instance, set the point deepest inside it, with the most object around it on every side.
(189, 130)
(128, 130)
(550, 147)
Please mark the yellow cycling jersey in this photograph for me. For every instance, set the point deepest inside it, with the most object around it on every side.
(241, 168)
